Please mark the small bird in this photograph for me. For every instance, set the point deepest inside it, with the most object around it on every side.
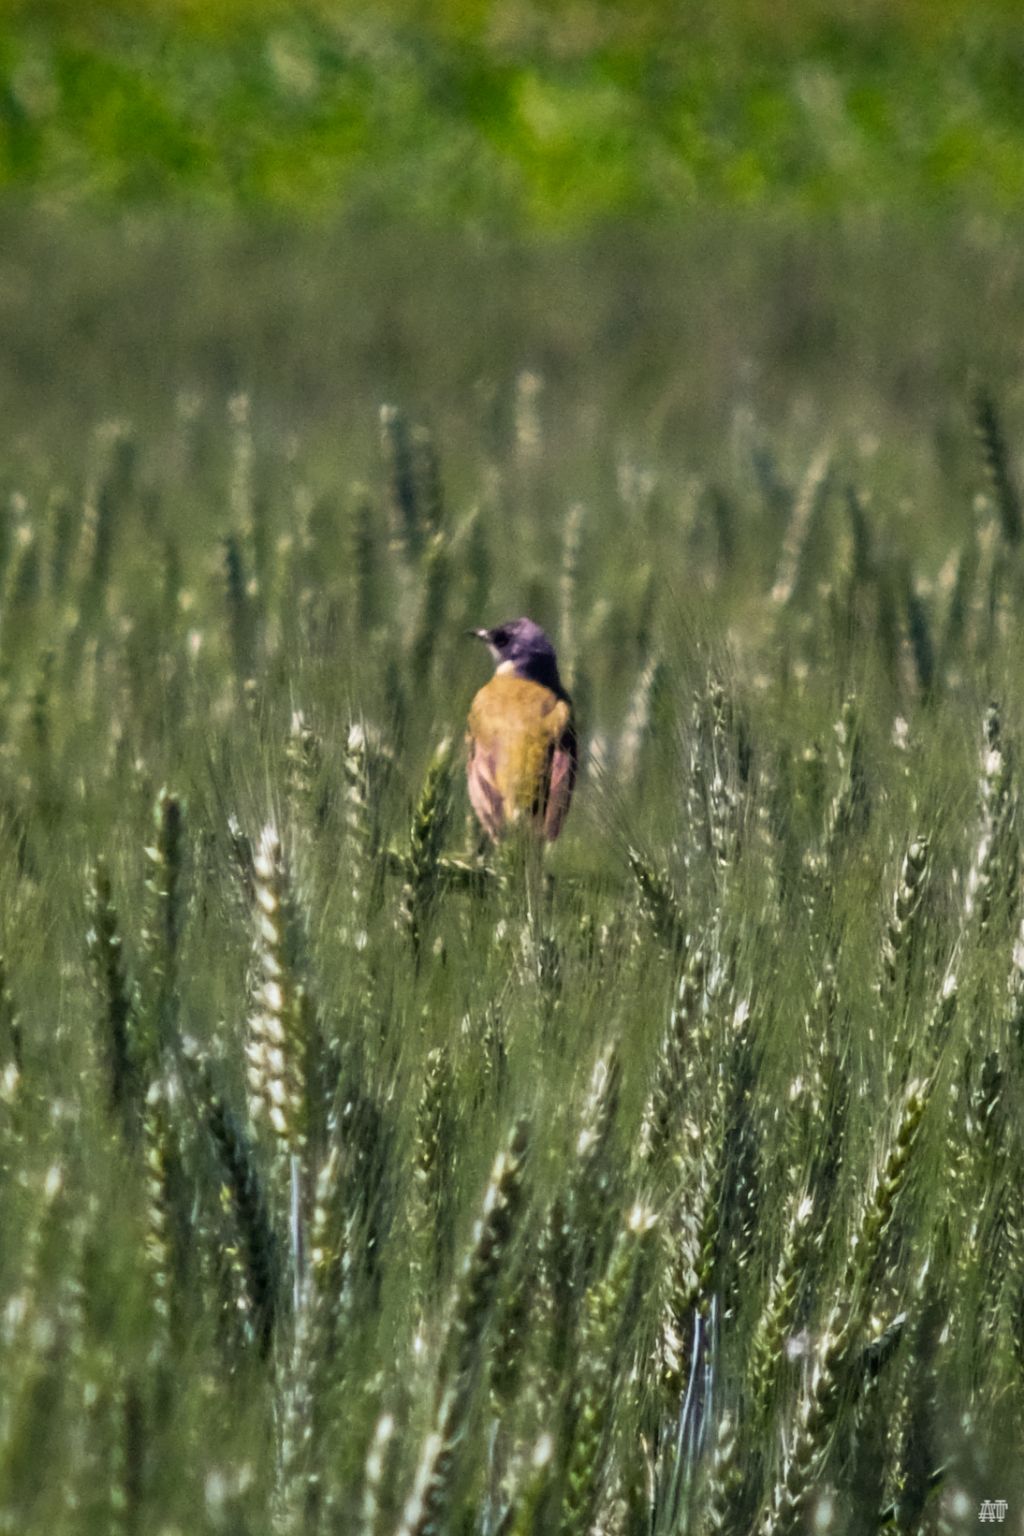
(522, 738)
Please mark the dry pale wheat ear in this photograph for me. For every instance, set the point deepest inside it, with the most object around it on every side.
(358, 1179)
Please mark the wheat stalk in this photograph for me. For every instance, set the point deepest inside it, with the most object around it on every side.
(996, 460)
(426, 839)
(807, 508)
(604, 1320)
(820, 1403)
(461, 1353)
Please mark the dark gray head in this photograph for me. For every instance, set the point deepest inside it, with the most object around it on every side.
(522, 647)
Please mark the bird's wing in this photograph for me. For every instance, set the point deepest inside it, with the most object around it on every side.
(484, 795)
(564, 762)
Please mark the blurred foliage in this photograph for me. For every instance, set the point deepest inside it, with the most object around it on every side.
(857, 330)
(266, 1018)
(515, 114)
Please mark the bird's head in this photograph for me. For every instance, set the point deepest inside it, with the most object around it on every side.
(520, 646)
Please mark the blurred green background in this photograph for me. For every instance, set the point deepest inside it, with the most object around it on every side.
(515, 114)
(669, 211)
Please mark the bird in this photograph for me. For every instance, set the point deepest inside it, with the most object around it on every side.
(522, 752)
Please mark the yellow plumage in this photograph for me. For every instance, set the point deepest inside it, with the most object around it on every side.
(516, 728)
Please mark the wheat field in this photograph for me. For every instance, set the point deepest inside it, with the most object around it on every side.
(358, 1178)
